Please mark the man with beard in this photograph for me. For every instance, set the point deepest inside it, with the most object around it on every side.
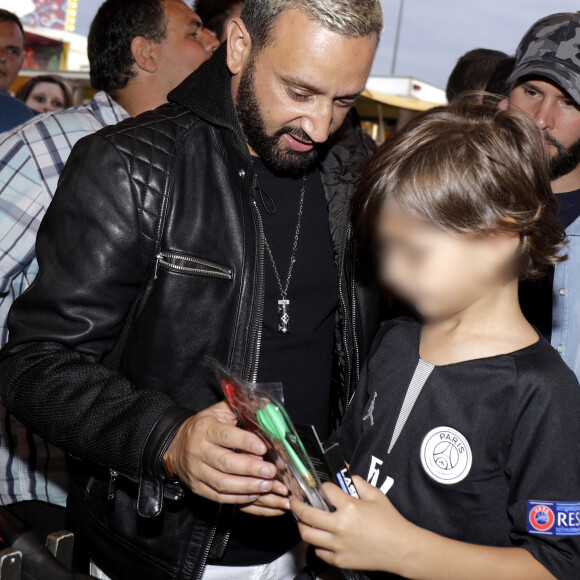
(545, 84)
(217, 225)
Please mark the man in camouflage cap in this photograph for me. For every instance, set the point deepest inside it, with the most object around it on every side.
(545, 84)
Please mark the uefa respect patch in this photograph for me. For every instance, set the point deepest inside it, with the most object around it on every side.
(554, 518)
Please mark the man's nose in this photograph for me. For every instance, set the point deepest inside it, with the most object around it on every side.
(545, 115)
(2, 54)
(209, 40)
(317, 123)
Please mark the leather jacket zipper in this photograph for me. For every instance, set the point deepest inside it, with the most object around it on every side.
(208, 544)
(346, 319)
(357, 361)
(112, 484)
(254, 359)
(198, 266)
(256, 338)
(345, 322)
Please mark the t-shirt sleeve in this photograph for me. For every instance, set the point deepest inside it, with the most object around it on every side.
(544, 467)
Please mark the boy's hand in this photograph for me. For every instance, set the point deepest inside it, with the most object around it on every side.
(365, 534)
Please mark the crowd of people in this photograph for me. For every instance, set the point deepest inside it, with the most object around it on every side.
(218, 197)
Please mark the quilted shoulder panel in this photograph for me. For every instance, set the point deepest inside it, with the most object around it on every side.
(148, 143)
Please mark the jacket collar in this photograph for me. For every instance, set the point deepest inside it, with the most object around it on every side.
(207, 93)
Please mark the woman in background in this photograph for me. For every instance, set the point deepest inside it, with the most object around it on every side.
(45, 93)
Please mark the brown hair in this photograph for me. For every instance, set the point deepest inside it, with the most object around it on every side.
(469, 169)
(25, 89)
(215, 13)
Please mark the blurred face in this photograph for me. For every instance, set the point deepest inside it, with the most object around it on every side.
(187, 44)
(11, 54)
(439, 272)
(295, 92)
(46, 97)
(558, 115)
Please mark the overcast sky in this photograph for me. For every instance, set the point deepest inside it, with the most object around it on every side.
(435, 33)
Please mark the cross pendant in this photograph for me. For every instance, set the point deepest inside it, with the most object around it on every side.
(283, 307)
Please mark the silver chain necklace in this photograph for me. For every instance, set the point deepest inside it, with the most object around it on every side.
(284, 302)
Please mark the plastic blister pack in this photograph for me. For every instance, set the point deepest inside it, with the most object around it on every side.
(260, 409)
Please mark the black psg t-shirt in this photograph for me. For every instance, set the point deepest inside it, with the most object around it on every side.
(490, 453)
(302, 359)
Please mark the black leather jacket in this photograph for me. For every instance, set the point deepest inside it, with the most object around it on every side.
(151, 257)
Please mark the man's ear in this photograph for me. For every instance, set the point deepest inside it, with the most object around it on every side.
(143, 52)
(239, 45)
(503, 104)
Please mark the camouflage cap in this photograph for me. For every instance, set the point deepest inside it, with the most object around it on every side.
(551, 49)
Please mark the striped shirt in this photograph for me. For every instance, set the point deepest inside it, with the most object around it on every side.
(32, 157)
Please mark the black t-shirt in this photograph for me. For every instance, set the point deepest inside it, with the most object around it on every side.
(536, 295)
(490, 446)
(302, 359)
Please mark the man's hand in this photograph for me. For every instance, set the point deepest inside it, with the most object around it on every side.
(271, 504)
(203, 459)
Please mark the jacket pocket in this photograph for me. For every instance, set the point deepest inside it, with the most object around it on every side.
(191, 265)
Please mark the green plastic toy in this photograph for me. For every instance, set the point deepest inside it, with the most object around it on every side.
(273, 422)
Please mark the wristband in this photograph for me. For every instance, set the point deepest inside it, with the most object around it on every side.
(169, 468)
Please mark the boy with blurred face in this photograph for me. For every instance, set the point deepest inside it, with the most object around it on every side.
(463, 433)
(545, 85)
(228, 207)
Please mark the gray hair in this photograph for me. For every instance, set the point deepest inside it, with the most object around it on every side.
(351, 18)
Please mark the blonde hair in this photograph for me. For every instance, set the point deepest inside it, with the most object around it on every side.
(351, 18)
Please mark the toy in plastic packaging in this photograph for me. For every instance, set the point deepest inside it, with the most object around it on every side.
(259, 408)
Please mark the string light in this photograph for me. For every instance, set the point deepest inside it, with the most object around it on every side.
(71, 15)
